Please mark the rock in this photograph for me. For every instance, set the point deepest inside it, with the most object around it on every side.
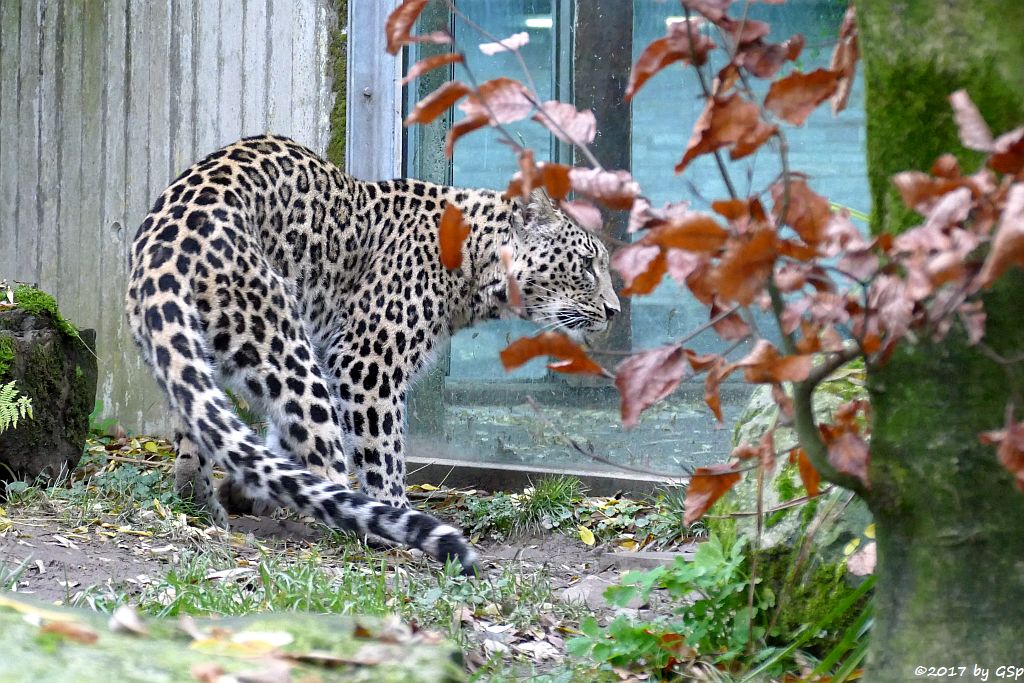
(55, 366)
(43, 643)
(643, 559)
(838, 520)
(590, 590)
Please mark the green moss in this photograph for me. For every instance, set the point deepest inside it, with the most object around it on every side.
(38, 302)
(6, 353)
(338, 64)
(910, 74)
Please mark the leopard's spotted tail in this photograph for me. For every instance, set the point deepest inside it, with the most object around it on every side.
(166, 327)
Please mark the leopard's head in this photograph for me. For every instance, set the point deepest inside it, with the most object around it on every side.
(562, 270)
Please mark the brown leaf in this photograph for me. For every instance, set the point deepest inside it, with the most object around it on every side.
(849, 454)
(502, 100)
(556, 179)
(808, 475)
(674, 47)
(460, 128)
(614, 189)
(707, 485)
(572, 358)
(69, 630)
(946, 166)
(974, 132)
(746, 266)
(746, 31)
(1008, 152)
(452, 232)
(400, 22)
(641, 267)
(712, 382)
(714, 10)
(693, 231)
(765, 365)
(844, 59)
(436, 103)
(807, 212)
(765, 59)
(206, 672)
(553, 177)
(730, 327)
(585, 214)
(726, 121)
(1008, 245)
(647, 377)
(682, 265)
(794, 97)
(431, 63)
(568, 124)
(513, 42)
(1011, 447)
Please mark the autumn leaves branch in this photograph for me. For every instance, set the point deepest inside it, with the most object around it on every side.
(834, 294)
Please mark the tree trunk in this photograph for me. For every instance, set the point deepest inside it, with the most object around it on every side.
(950, 522)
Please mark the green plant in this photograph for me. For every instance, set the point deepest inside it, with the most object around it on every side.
(550, 504)
(713, 618)
(13, 407)
(100, 426)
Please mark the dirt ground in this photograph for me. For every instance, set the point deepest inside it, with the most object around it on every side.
(57, 561)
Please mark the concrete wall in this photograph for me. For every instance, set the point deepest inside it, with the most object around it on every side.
(102, 103)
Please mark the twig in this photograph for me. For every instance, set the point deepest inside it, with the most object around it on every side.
(710, 97)
(777, 508)
(589, 452)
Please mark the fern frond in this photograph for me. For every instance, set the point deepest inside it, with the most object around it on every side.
(13, 407)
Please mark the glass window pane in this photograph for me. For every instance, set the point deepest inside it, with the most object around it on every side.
(483, 415)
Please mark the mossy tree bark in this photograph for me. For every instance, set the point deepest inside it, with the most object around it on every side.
(950, 522)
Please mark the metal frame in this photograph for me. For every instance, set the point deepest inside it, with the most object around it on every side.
(373, 131)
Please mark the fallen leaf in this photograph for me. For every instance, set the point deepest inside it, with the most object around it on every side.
(586, 535)
(70, 630)
(707, 485)
(862, 563)
(126, 620)
(452, 232)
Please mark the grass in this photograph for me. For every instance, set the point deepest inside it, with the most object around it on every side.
(550, 504)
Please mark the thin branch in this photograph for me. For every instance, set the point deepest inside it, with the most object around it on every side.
(795, 502)
(835, 361)
(710, 97)
(589, 452)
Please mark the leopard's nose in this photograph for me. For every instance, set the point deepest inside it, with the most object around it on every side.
(609, 312)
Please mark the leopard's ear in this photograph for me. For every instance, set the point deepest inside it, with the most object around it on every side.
(540, 207)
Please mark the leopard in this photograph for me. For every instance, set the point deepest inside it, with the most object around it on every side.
(318, 298)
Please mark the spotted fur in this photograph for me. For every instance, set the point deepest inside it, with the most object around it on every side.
(318, 297)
